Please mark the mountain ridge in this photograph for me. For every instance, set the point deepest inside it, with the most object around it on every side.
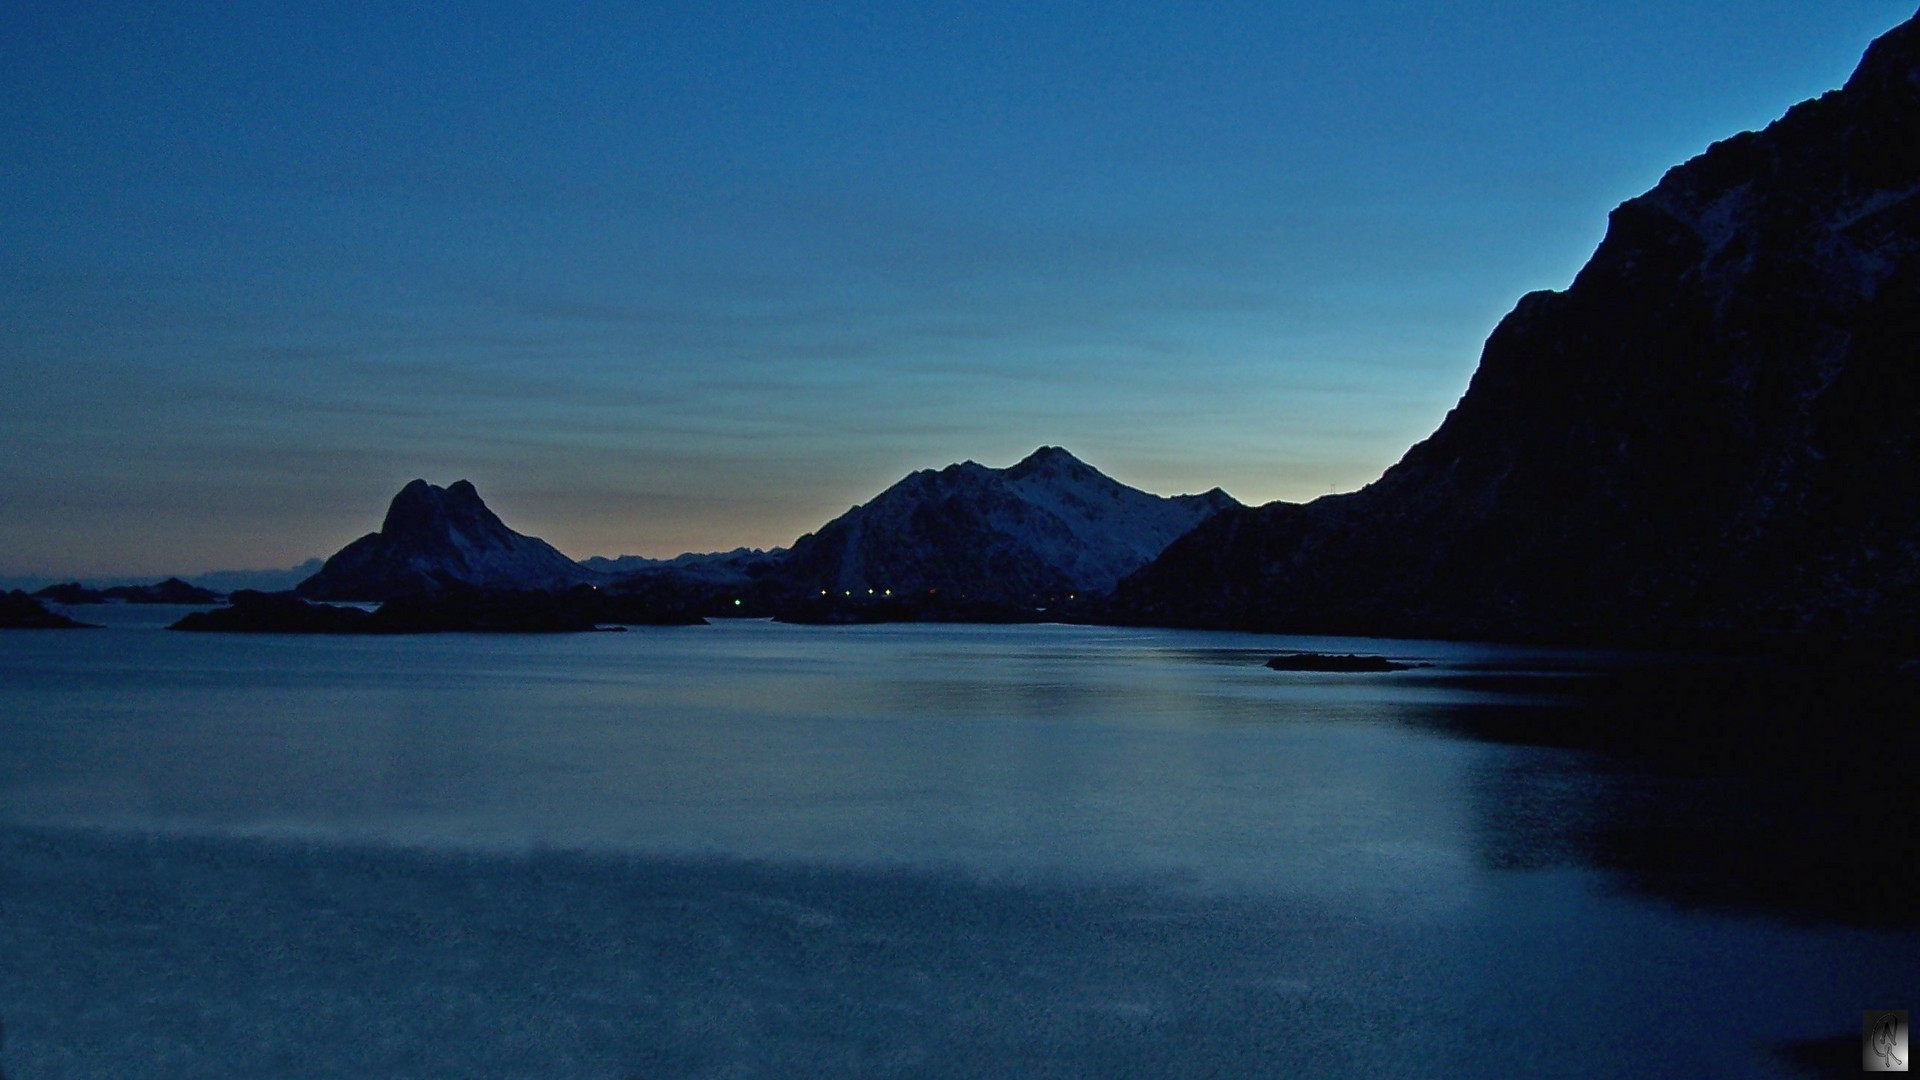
(1048, 526)
(738, 566)
(1709, 436)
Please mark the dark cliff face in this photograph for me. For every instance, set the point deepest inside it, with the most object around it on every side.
(1710, 436)
(434, 537)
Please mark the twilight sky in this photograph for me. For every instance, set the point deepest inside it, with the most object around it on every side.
(671, 276)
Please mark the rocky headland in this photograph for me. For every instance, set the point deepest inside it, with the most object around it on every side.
(1712, 437)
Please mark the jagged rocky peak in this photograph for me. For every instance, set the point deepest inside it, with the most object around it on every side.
(1891, 66)
(422, 508)
(433, 537)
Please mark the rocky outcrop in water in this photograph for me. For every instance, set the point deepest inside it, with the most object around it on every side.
(18, 611)
(251, 612)
(170, 591)
(453, 608)
(1712, 436)
(1337, 663)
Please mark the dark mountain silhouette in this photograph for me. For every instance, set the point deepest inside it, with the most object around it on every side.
(1710, 436)
(435, 537)
(1048, 526)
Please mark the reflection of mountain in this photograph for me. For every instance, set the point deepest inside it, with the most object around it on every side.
(1724, 788)
(434, 537)
(1715, 431)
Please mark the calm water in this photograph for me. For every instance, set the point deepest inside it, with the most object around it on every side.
(760, 850)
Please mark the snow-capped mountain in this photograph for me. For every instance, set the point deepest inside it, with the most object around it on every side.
(1048, 526)
(433, 537)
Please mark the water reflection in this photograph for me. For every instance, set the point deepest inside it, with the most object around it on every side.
(1033, 750)
(1119, 852)
(1782, 790)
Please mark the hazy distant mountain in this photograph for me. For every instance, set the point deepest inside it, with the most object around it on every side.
(226, 581)
(433, 537)
(738, 566)
(220, 581)
(169, 591)
(1714, 433)
(1049, 525)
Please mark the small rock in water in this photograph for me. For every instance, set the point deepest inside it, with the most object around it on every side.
(1328, 662)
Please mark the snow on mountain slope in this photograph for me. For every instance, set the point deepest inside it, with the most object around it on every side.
(1050, 524)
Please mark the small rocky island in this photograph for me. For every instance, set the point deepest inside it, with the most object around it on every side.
(170, 591)
(453, 609)
(1347, 662)
(18, 611)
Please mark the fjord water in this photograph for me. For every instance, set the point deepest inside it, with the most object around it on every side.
(752, 849)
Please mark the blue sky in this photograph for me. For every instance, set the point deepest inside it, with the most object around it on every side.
(662, 276)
